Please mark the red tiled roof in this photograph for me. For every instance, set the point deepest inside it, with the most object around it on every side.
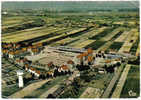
(80, 56)
(90, 51)
(34, 50)
(64, 67)
(24, 49)
(70, 62)
(85, 54)
(37, 71)
(12, 53)
(5, 51)
(31, 68)
(26, 65)
(50, 64)
(50, 72)
(90, 58)
(107, 61)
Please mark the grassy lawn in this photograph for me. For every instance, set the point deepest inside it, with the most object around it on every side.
(132, 83)
(95, 45)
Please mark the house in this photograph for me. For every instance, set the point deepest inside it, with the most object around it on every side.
(64, 68)
(107, 61)
(24, 49)
(4, 52)
(79, 59)
(29, 48)
(85, 55)
(50, 65)
(90, 52)
(70, 64)
(17, 46)
(31, 70)
(101, 71)
(18, 61)
(50, 73)
(90, 60)
(34, 51)
(59, 69)
(26, 67)
(11, 54)
(37, 73)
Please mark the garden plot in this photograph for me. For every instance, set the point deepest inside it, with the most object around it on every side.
(92, 33)
(95, 45)
(128, 44)
(10, 23)
(64, 41)
(122, 37)
(55, 38)
(84, 43)
(76, 43)
(112, 34)
(11, 20)
(22, 31)
(115, 46)
(30, 36)
(16, 24)
(26, 32)
(105, 46)
(104, 33)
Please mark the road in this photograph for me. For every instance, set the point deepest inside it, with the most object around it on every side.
(119, 87)
(29, 89)
(112, 83)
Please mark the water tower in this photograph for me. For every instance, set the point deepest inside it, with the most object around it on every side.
(20, 76)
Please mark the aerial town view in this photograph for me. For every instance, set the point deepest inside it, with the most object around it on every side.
(70, 49)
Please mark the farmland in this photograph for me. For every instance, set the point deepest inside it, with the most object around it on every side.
(68, 52)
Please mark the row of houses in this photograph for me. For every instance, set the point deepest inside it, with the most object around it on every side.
(12, 50)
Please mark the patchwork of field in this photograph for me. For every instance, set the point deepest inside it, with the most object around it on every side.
(130, 39)
(99, 39)
(102, 38)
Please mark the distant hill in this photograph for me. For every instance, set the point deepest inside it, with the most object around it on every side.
(71, 5)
